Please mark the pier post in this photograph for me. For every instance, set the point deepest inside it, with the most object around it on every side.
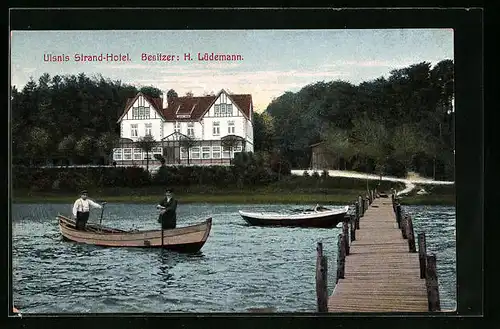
(431, 282)
(410, 234)
(398, 215)
(356, 218)
(404, 224)
(422, 253)
(352, 228)
(345, 233)
(361, 206)
(370, 197)
(321, 279)
(340, 258)
(367, 203)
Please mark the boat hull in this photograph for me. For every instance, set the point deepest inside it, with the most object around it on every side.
(324, 221)
(187, 239)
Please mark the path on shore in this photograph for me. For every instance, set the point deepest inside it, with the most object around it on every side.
(410, 181)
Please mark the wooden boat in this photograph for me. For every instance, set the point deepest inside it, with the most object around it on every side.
(187, 239)
(318, 217)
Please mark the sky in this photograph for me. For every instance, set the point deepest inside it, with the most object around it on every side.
(273, 61)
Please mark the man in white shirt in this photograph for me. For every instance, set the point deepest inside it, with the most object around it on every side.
(81, 209)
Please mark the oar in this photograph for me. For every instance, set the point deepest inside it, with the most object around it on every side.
(102, 212)
(161, 208)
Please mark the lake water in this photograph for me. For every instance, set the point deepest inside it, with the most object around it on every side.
(239, 267)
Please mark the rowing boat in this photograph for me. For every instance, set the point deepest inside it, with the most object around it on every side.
(319, 217)
(187, 239)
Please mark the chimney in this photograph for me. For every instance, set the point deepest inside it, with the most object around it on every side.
(165, 100)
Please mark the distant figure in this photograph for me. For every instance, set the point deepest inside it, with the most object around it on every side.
(81, 210)
(168, 214)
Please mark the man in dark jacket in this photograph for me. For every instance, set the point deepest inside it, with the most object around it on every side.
(168, 215)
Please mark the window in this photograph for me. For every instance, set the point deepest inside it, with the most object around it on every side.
(137, 154)
(177, 127)
(238, 148)
(149, 128)
(184, 153)
(230, 127)
(223, 110)
(226, 152)
(117, 154)
(148, 155)
(217, 110)
(134, 130)
(229, 110)
(157, 150)
(127, 154)
(205, 152)
(140, 112)
(216, 128)
(195, 153)
(216, 152)
(190, 130)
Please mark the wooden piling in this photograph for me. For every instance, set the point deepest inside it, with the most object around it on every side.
(321, 280)
(431, 282)
(352, 228)
(361, 206)
(410, 234)
(404, 223)
(398, 214)
(422, 253)
(356, 215)
(340, 258)
(345, 233)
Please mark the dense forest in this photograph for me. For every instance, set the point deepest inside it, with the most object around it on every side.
(388, 125)
(402, 122)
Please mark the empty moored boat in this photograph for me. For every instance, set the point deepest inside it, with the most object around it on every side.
(317, 217)
(182, 239)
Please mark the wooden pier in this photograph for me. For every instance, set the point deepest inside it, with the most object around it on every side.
(379, 268)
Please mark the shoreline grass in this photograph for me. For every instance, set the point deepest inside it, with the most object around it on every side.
(332, 197)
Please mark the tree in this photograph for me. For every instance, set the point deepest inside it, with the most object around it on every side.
(189, 94)
(263, 132)
(187, 143)
(336, 143)
(407, 142)
(370, 140)
(106, 143)
(85, 148)
(151, 91)
(172, 94)
(66, 146)
(230, 142)
(147, 143)
(37, 144)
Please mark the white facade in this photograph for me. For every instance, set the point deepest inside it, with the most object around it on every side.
(223, 118)
(141, 119)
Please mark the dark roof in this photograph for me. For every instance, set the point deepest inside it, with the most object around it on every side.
(193, 108)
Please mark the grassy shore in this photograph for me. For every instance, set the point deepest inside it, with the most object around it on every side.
(236, 196)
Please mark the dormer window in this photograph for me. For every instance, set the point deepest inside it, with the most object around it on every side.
(177, 127)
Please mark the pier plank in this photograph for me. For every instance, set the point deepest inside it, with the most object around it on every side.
(381, 275)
